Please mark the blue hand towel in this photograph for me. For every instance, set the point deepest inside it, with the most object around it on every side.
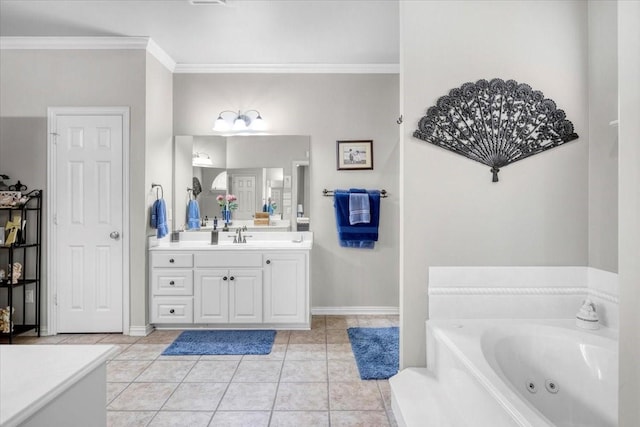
(159, 218)
(193, 215)
(359, 211)
(357, 235)
(154, 214)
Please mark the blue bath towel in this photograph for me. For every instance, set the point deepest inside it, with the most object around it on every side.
(193, 215)
(356, 235)
(159, 218)
(359, 211)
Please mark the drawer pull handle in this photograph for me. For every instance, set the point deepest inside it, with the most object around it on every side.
(172, 283)
(172, 311)
(172, 260)
(232, 278)
(225, 278)
(268, 261)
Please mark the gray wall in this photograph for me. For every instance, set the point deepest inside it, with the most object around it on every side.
(31, 81)
(158, 160)
(328, 108)
(603, 138)
(629, 193)
(452, 214)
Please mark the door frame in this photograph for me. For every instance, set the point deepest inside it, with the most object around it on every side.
(51, 256)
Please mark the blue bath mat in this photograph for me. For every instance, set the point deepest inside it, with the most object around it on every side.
(221, 342)
(376, 351)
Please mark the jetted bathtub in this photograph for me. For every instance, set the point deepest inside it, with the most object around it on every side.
(534, 373)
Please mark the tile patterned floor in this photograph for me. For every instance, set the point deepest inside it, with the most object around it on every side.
(309, 379)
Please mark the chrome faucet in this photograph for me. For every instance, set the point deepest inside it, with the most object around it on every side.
(239, 238)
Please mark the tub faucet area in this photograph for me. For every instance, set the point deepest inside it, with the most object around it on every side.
(587, 316)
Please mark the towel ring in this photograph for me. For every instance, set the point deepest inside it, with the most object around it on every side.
(161, 190)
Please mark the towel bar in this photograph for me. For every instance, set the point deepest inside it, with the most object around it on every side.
(161, 190)
(329, 193)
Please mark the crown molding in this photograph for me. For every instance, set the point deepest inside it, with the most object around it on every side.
(162, 56)
(126, 43)
(89, 43)
(288, 68)
(146, 43)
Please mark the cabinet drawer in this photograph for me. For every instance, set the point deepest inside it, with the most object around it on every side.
(172, 281)
(171, 260)
(222, 259)
(172, 310)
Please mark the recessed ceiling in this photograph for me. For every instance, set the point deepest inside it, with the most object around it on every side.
(237, 32)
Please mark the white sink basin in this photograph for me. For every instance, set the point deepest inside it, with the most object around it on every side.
(258, 241)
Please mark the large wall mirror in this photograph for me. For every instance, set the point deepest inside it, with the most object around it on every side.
(265, 173)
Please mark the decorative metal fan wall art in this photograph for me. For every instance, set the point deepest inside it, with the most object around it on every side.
(495, 122)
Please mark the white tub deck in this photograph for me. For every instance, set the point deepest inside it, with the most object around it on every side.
(53, 385)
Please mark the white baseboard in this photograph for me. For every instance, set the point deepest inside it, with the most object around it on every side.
(140, 331)
(353, 311)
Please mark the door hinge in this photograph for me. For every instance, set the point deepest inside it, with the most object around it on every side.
(55, 137)
(55, 219)
(55, 299)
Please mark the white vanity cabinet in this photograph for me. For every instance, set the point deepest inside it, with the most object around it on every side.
(194, 284)
(228, 296)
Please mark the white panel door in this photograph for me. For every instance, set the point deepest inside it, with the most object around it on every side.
(88, 217)
(244, 188)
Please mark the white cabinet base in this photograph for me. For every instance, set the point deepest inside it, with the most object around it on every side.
(230, 289)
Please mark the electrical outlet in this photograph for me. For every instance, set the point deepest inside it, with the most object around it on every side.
(29, 296)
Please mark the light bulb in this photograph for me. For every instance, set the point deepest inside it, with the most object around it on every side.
(221, 124)
(239, 124)
(258, 123)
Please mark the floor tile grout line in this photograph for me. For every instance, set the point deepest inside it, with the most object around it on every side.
(275, 396)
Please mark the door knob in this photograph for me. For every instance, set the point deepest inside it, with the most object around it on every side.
(268, 261)
(114, 235)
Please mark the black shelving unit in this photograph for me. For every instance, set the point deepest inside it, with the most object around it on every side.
(27, 250)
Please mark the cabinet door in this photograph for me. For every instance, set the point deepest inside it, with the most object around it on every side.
(211, 296)
(285, 288)
(245, 296)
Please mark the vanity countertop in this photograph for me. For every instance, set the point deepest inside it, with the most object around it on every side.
(31, 376)
(256, 241)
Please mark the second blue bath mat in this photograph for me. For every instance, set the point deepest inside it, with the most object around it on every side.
(376, 351)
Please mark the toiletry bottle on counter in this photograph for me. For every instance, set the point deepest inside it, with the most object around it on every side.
(214, 237)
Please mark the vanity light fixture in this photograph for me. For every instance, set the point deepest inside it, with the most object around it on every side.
(201, 159)
(250, 120)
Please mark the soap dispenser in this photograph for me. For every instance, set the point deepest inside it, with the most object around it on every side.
(587, 317)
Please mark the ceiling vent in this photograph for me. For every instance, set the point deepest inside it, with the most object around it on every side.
(208, 2)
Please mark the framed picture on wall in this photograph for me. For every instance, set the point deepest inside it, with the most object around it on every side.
(354, 155)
